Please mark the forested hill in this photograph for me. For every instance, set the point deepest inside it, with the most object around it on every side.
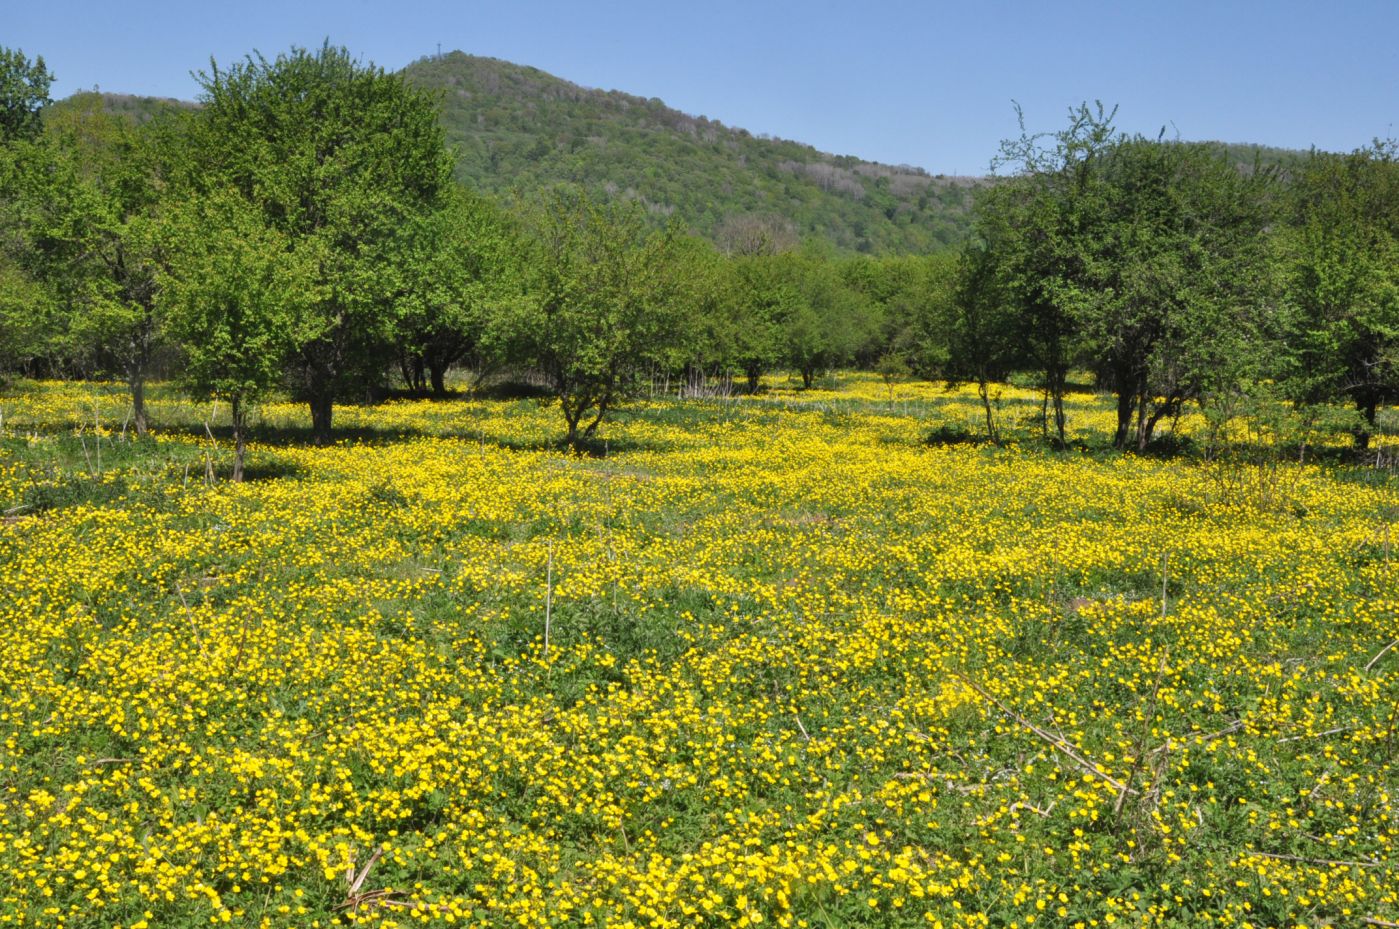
(518, 128)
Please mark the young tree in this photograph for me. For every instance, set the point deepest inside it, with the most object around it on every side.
(764, 299)
(234, 292)
(599, 312)
(983, 328)
(124, 170)
(828, 322)
(340, 158)
(1042, 228)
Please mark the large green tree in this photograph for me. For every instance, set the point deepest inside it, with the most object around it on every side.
(123, 169)
(1174, 295)
(1343, 257)
(1042, 227)
(465, 262)
(341, 159)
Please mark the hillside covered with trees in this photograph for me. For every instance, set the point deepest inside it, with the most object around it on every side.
(518, 128)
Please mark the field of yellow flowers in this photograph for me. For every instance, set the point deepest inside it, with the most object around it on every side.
(773, 660)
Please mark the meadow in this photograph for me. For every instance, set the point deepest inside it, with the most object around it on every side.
(774, 660)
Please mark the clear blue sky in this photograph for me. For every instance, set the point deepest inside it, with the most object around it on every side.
(929, 84)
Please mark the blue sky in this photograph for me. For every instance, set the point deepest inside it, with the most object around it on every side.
(929, 84)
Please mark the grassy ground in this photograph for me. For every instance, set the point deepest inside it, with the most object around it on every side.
(766, 660)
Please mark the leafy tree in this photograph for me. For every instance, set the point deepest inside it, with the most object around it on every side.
(764, 299)
(342, 159)
(466, 261)
(700, 287)
(599, 313)
(983, 328)
(124, 170)
(1174, 292)
(1343, 253)
(1042, 228)
(235, 294)
(24, 92)
(828, 323)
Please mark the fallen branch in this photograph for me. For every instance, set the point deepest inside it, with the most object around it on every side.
(1329, 862)
(1063, 746)
(1315, 735)
(1384, 651)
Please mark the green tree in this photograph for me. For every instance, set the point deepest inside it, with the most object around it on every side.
(983, 328)
(600, 313)
(1343, 256)
(24, 92)
(828, 323)
(124, 170)
(1042, 228)
(235, 293)
(1175, 290)
(342, 159)
(764, 298)
(466, 264)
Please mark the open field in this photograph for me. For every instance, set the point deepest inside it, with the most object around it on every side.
(772, 660)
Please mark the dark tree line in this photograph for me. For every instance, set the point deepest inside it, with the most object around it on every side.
(300, 231)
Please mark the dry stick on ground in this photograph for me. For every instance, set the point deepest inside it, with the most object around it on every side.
(1339, 862)
(549, 600)
(1371, 921)
(1063, 746)
(353, 898)
(1384, 651)
(1315, 735)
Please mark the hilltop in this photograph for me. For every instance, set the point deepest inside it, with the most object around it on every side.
(519, 128)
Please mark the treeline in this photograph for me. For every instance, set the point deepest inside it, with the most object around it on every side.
(1175, 277)
(300, 230)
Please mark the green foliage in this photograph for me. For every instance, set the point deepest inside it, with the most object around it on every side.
(341, 159)
(1176, 299)
(1145, 261)
(464, 264)
(600, 311)
(1342, 249)
(24, 92)
(518, 129)
(233, 295)
(122, 171)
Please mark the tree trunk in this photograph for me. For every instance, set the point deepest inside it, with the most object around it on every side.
(138, 402)
(419, 376)
(321, 411)
(1368, 405)
(983, 390)
(1055, 379)
(1126, 407)
(808, 376)
(439, 379)
(754, 375)
(240, 429)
